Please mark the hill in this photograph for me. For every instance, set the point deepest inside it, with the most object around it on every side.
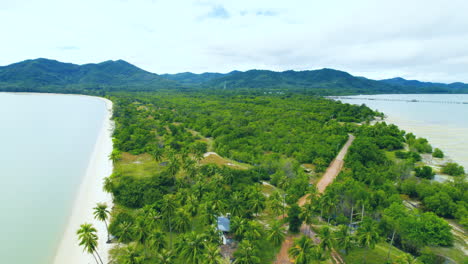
(44, 75)
(50, 75)
(456, 87)
(193, 78)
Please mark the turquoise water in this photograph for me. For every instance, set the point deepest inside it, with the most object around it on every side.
(45, 145)
(444, 125)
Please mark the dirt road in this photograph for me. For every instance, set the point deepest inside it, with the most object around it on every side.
(328, 177)
(332, 171)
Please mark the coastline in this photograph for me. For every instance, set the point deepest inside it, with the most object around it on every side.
(89, 193)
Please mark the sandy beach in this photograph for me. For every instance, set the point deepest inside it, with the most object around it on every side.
(90, 192)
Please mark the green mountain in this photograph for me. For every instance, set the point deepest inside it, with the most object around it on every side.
(189, 78)
(50, 75)
(456, 87)
(321, 80)
(43, 75)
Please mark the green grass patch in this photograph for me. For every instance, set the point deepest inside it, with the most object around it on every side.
(378, 255)
(138, 165)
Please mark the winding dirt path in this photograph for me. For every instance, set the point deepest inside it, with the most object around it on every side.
(328, 177)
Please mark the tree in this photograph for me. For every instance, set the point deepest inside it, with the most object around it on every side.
(157, 154)
(125, 232)
(276, 233)
(130, 255)
(157, 240)
(343, 239)
(326, 240)
(191, 247)
(453, 169)
(88, 239)
(424, 172)
(307, 214)
(238, 226)
(236, 204)
(165, 257)
(181, 220)
(367, 234)
(115, 155)
(102, 214)
(302, 250)
(437, 153)
(275, 202)
(213, 255)
(141, 231)
(168, 207)
(246, 253)
(293, 218)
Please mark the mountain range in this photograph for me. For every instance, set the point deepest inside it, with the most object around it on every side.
(44, 75)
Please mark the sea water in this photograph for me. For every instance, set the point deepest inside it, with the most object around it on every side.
(441, 118)
(46, 142)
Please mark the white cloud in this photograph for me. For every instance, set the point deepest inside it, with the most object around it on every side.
(379, 39)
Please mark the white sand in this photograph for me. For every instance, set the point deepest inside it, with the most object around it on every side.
(90, 192)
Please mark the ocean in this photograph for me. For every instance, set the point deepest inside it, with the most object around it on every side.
(441, 118)
(46, 141)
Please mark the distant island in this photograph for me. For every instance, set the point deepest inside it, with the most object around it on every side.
(44, 75)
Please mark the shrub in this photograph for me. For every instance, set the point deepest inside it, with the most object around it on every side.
(437, 153)
(453, 169)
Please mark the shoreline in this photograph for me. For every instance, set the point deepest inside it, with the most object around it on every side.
(90, 192)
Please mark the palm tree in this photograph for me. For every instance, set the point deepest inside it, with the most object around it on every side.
(246, 253)
(276, 233)
(168, 207)
(256, 201)
(108, 185)
(254, 231)
(157, 240)
(343, 239)
(124, 232)
(302, 250)
(406, 259)
(115, 155)
(89, 240)
(318, 254)
(191, 247)
(141, 231)
(157, 154)
(102, 214)
(238, 226)
(307, 214)
(165, 257)
(275, 202)
(236, 204)
(181, 220)
(326, 240)
(367, 234)
(212, 255)
(130, 255)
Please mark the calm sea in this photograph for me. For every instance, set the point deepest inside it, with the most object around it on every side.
(45, 145)
(444, 125)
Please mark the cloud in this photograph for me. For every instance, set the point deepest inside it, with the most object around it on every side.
(68, 48)
(376, 39)
(216, 12)
(266, 13)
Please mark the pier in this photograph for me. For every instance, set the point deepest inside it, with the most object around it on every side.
(396, 100)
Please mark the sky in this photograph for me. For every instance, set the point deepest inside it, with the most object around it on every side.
(414, 39)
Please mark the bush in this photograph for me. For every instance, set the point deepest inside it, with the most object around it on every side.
(402, 154)
(424, 172)
(453, 169)
(437, 153)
